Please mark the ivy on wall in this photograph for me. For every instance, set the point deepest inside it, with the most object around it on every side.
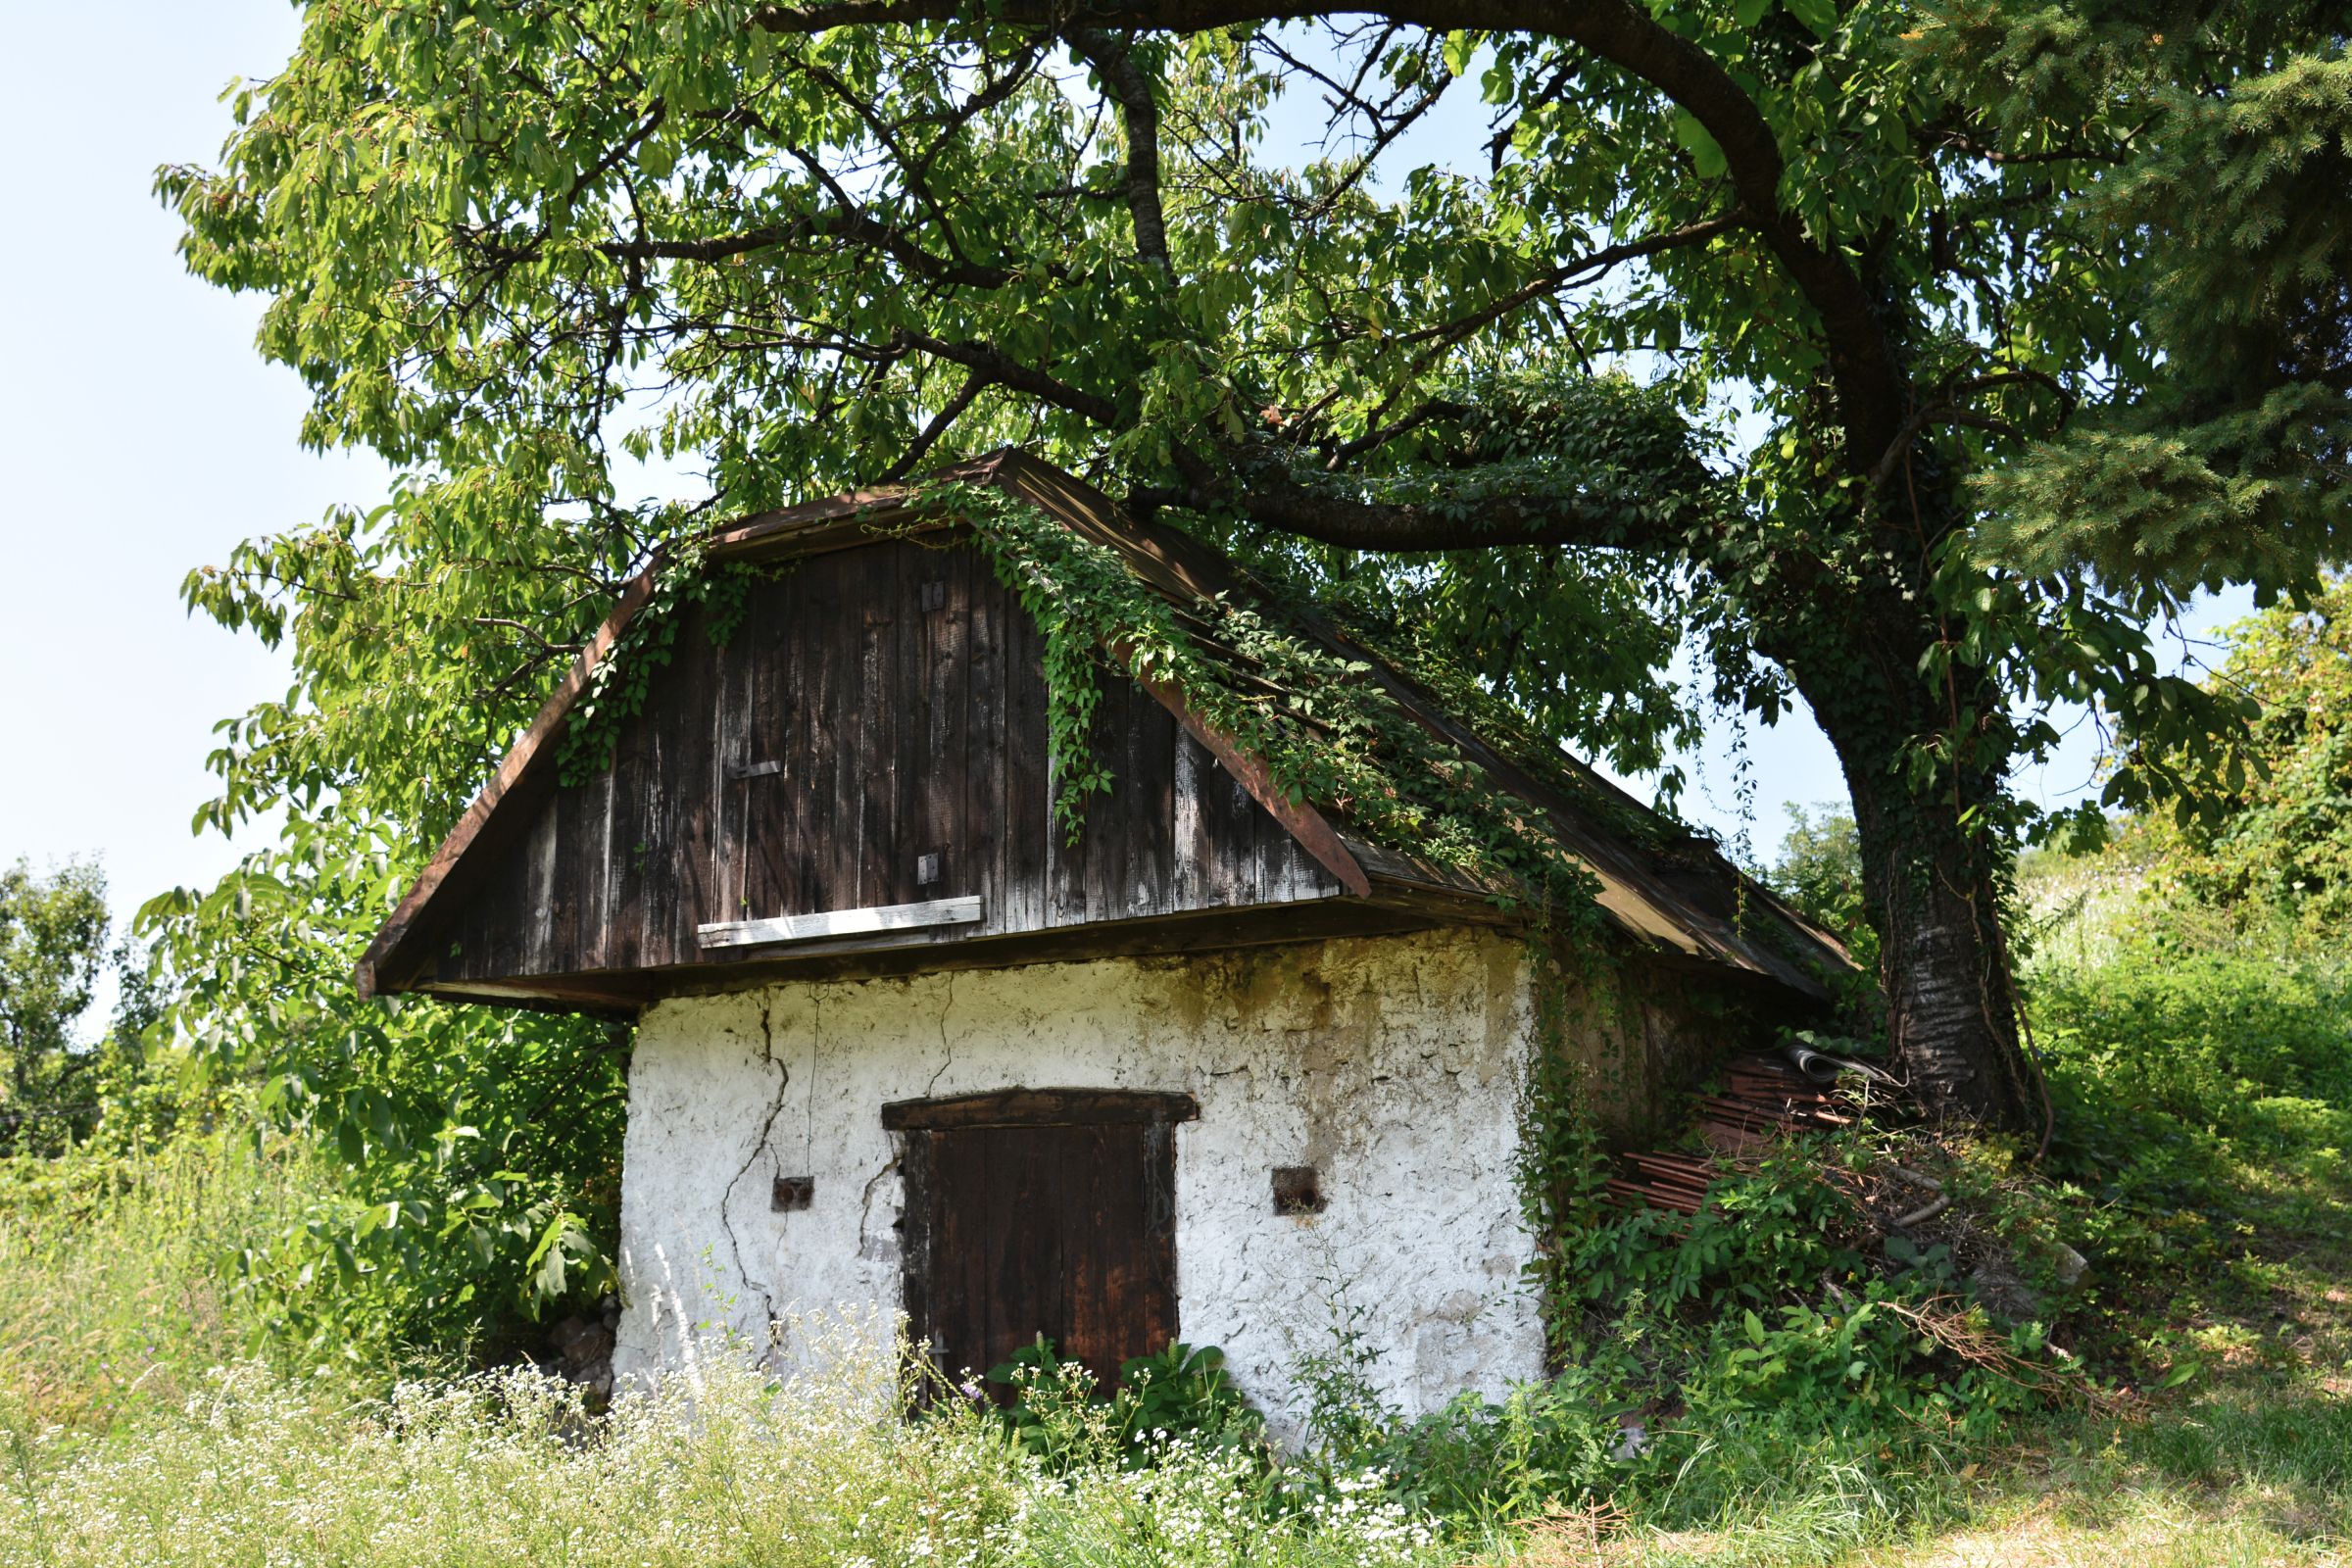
(618, 682)
(1328, 730)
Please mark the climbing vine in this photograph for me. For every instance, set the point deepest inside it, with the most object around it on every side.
(1560, 1162)
(1327, 729)
(1278, 672)
(617, 685)
(1331, 732)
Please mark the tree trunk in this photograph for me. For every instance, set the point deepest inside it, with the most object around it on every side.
(1933, 890)
(1943, 959)
(1934, 863)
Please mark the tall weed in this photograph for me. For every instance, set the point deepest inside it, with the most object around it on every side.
(124, 1275)
(2202, 1099)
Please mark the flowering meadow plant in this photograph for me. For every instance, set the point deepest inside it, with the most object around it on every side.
(730, 1465)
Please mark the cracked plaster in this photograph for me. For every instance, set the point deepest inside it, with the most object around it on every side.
(1393, 1064)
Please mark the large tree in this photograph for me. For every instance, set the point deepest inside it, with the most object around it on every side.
(2033, 315)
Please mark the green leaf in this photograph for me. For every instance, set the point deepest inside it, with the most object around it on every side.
(1706, 155)
(1821, 15)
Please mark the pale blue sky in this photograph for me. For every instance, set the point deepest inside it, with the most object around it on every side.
(142, 436)
(139, 432)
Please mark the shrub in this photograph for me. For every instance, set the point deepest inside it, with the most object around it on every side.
(2201, 1099)
(1181, 1395)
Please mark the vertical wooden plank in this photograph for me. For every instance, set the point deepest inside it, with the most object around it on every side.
(579, 881)
(963, 1253)
(1097, 891)
(1031, 832)
(628, 852)
(1086, 1303)
(836, 734)
(1190, 850)
(788, 663)
(907, 690)
(1308, 878)
(936, 834)
(534, 865)
(1229, 842)
(875, 695)
(611, 843)
(1161, 1306)
(815, 640)
(918, 1232)
(1288, 871)
(1078, 1295)
(1149, 773)
(463, 950)
(689, 716)
(985, 827)
(657, 869)
(736, 734)
(502, 931)
(587, 839)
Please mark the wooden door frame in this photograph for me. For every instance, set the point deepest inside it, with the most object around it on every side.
(1041, 1107)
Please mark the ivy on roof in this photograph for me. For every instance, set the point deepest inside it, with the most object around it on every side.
(1328, 729)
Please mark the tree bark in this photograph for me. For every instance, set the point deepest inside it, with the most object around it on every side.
(1943, 963)
(1933, 886)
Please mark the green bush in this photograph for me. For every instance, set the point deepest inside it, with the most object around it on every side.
(2200, 1101)
(1183, 1394)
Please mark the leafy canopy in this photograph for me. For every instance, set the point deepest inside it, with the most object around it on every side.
(512, 247)
(2278, 860)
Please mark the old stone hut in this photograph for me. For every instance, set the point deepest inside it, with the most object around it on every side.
(1229, 1059)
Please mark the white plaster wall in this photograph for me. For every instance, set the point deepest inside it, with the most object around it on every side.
(1392, 1064)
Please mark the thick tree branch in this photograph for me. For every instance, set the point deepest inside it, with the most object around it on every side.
(951, 411)
(1588, 267)
(1471, 518)
(1113, 60)
(1013, 375)
(850, 226)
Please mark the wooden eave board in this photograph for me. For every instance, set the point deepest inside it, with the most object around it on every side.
(902, 954)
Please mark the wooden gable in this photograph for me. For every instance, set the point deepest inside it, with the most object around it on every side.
(871, 736)
(856, 781)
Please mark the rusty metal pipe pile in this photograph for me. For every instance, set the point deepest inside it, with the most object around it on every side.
(1763, 1099)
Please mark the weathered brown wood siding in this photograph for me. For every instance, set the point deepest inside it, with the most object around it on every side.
(901, 691)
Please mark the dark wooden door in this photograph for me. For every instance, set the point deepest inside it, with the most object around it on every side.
(1040, 1212)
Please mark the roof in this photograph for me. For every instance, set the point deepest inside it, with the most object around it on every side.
(1658, 885)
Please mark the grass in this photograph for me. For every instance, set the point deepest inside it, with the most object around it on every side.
(120, 1286)
(2255, 1469)
(723, 1468)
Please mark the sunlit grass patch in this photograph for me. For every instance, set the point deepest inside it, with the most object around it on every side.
(120, 1280)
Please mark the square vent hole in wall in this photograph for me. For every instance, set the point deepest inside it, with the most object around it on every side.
(1297, 1190)
(792, 1194)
